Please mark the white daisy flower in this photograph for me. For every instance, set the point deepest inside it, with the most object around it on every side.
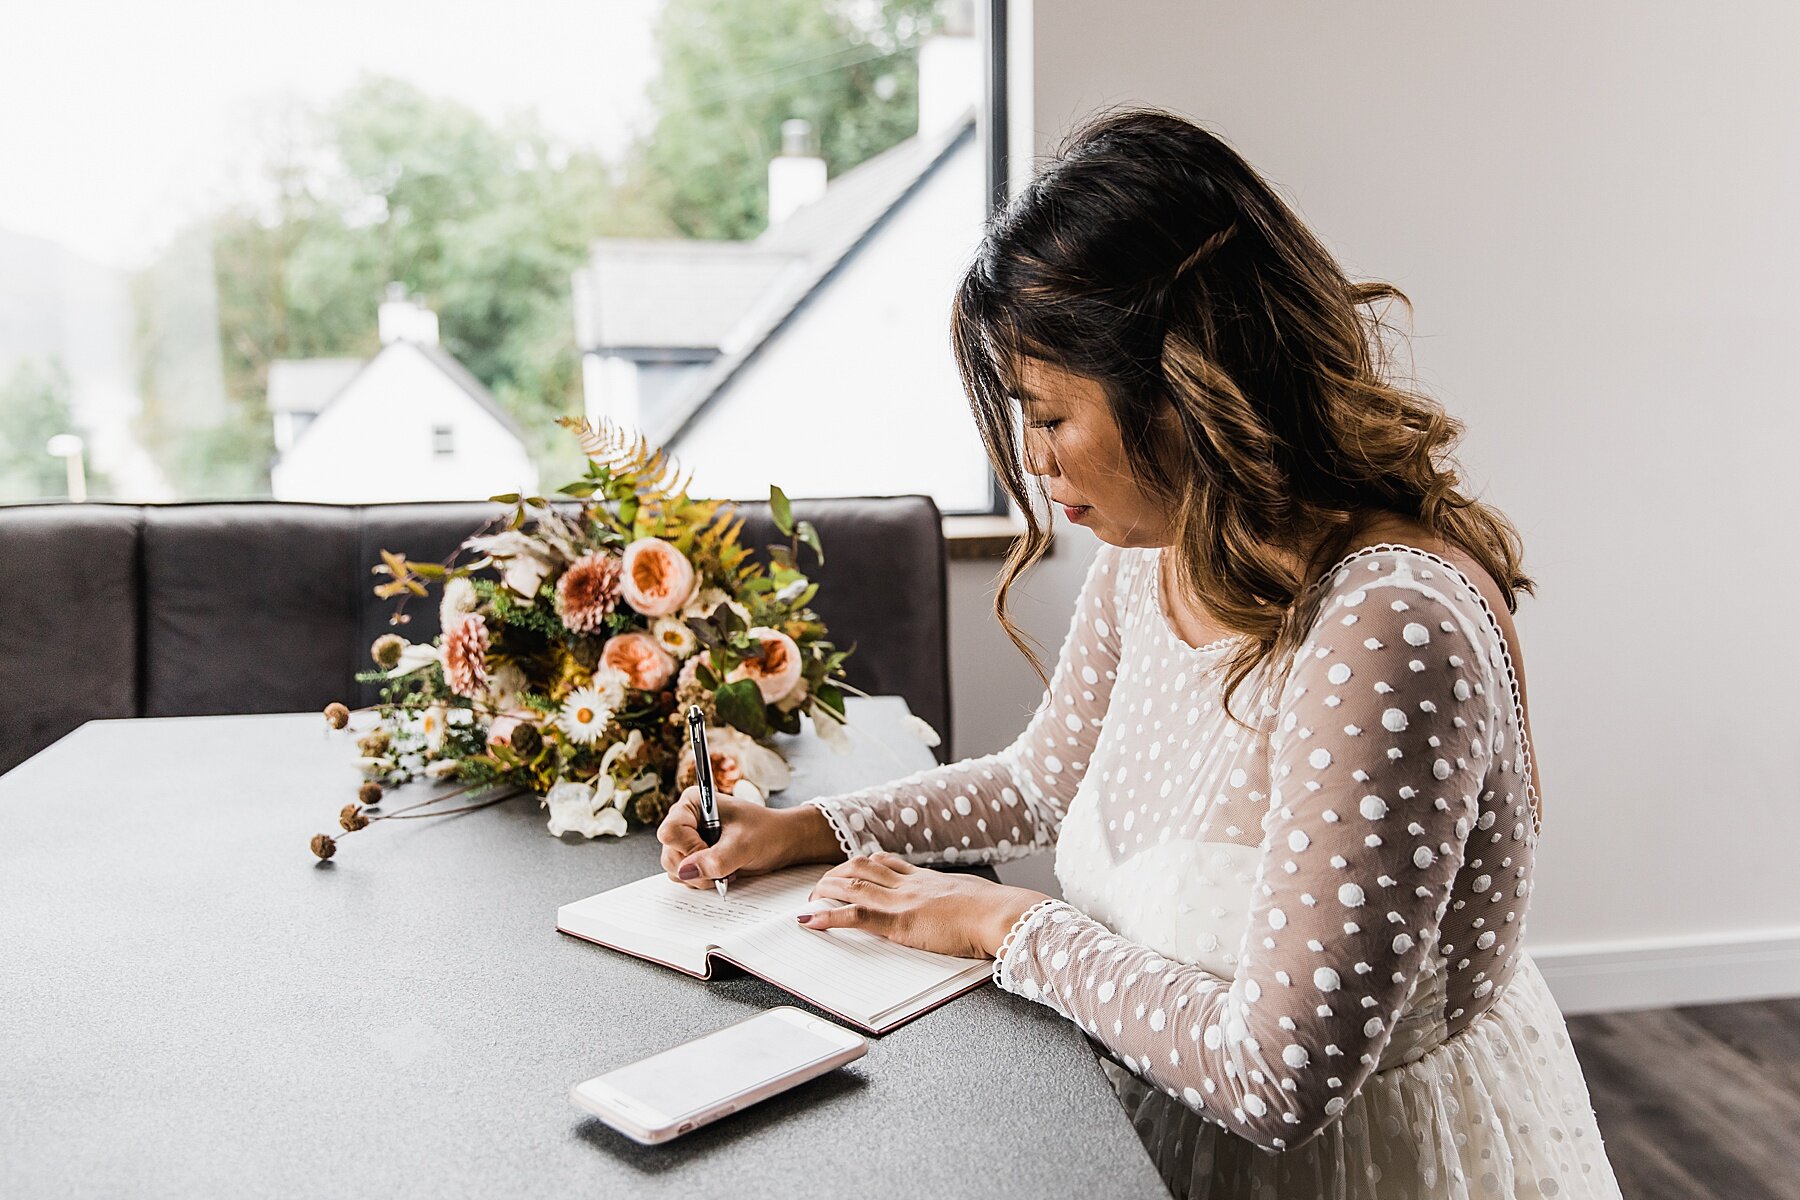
(433, 722)
(704, 601)
(584, 716)
(673, 635)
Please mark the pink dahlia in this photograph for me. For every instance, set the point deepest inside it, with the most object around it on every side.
(465, 655)
(589, 590)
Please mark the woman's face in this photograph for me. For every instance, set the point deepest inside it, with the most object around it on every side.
(1073, 443)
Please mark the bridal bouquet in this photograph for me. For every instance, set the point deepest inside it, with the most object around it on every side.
(573, 643)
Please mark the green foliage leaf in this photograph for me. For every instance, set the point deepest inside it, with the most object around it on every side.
(831, 698)
(781, 510)
(740, 705)
(810, 536)
(727, 619)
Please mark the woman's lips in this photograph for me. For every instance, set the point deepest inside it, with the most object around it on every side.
(1076, 511)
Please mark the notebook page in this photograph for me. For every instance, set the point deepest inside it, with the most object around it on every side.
(657, 913)
(851, 970)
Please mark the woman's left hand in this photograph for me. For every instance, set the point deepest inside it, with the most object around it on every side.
(946, 912)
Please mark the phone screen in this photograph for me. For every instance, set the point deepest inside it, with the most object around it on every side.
(683, 1079)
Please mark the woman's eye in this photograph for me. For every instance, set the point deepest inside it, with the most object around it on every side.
(1050, 424)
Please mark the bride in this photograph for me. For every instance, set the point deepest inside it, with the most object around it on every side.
(1283, 760)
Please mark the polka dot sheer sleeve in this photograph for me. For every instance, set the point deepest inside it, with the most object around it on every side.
(1378, 755)
(1011, 803)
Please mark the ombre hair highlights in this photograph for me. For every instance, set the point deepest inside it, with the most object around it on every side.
(1148, 256)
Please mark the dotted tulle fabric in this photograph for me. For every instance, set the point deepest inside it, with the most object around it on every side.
(1296, 947)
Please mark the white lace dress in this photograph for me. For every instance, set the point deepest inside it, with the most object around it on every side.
(1297, 949)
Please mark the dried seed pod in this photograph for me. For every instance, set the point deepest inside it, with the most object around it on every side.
(351, 818)
(324, 845)
(386, 650)
(369, 793)
(336, 715)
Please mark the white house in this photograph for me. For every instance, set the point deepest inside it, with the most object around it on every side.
(785, 358)
(410, 423)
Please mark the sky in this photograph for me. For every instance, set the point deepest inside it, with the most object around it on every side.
(119, 118)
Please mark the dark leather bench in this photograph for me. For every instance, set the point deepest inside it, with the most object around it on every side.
(118, 610)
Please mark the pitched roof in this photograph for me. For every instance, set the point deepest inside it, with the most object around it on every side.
(842, 224)
(439, 357)
(307, 385)
(644, 293)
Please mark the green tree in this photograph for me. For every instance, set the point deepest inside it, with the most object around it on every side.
(732, 72)
(485, 223)
(35, 407)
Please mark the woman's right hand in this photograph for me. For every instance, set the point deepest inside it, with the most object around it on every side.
(755, 839)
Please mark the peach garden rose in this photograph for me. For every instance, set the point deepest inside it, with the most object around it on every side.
(658, 578)
(776, 670)
(645, 664)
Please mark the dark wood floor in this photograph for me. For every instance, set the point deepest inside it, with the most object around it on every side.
(1698, 1102)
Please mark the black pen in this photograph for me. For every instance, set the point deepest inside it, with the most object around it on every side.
(710, 825)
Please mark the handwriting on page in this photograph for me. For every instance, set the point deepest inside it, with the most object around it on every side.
(716, 913)
(661, 907)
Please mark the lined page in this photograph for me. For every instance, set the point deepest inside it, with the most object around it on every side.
(851, 970)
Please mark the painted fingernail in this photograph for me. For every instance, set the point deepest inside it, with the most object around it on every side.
(803, 918)
(688, 871)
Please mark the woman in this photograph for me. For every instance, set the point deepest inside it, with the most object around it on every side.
(1283, 759)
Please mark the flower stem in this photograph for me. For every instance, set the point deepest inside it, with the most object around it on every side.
(453, 811)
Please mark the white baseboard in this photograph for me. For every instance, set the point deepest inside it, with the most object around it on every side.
(1666, 972)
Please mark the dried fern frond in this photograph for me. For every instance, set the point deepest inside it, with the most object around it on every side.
(651, 470)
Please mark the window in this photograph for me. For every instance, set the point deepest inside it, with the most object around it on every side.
(733, 225)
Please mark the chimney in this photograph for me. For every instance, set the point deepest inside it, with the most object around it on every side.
(949, 69)
(401, 319)
(797, 174)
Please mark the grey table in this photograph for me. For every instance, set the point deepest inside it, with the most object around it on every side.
(190, 1005)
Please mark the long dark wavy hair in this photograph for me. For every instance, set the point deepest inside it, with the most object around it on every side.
(1148, 256)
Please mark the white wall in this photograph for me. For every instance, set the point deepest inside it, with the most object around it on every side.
(1592, 209)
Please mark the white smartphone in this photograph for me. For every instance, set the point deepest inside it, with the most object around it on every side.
(687, 1086)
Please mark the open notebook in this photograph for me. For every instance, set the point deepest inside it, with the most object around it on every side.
(867, 980)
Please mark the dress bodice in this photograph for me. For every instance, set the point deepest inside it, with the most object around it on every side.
(1256, 917)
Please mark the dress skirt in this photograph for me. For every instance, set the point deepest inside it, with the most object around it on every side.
(1497, 1112)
